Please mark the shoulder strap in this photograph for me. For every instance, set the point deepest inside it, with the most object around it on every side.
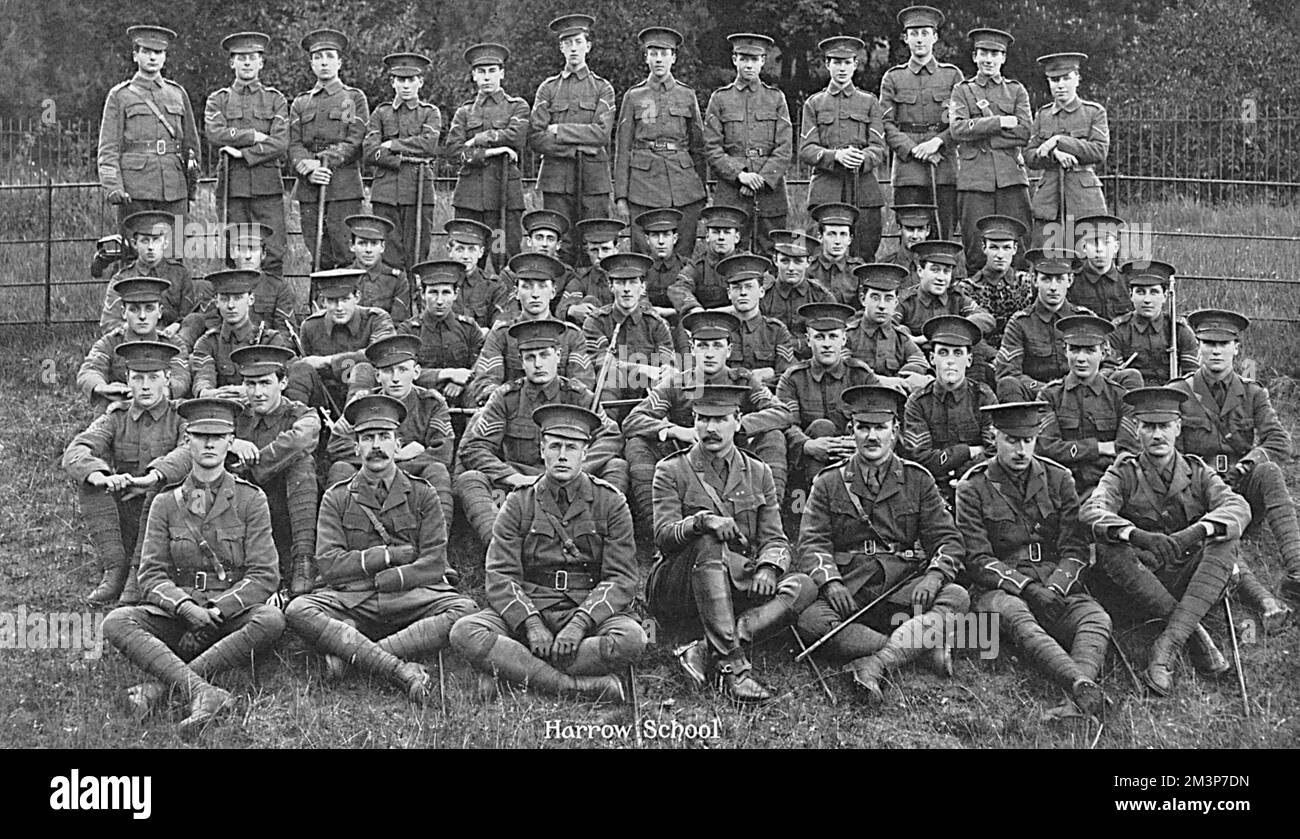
(148, 100)
(853, 497)
(197, 536)
(379, 527)
(719, 507)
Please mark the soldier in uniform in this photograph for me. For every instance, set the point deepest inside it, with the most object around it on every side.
(1087, 423)
(659, 227)
(833, 266)
(914, 107)
(492, 125)
(990, 122)
(424, 436)
(573, 120)
(1167, 528)
(843, 139)
(792, 288)
(450, 342)
(207, 566)
(914, 227)
(761, 344)
(935, 294)
(858, 539)
(111, 461)
(663, 422)
(1070, 136)
(726, 560)
(944, 428)
(810, 389)
(148, 142)
(1100, 285)
(381, 285)
(998, 286)
(1018, 514)
(103, 376)
(381, 548)
(561, 574)
(748, 141)
(273, 445)
(876, 339)
(274, 303)
(699, 286)
(499, 450)
(215, 375)
(249, 122)
(535, 275)
(150, 232)
(400, 130)
(334, 341)
(659, 156)
(589, 288)
(327, 125)
(642, 350)
(482, 297)
(1145, 330)
(1032, 351)
(1231, 424)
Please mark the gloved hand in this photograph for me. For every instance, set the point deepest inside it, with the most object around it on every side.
(1161, 545)
(119, 196)
(837, 594)
(1189, 538)
(196, 616)
(1048, 606)
(540, 639)
(566, 643)
(764, 582)
(193, 642)
(927, 590)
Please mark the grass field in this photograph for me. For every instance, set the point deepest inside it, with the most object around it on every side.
(59, 698)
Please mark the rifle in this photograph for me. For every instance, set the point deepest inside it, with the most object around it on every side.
(417, 247)
(612, 403)
(326, 415)
(889, 592)
(578, 255)
(1060, 202)
(605, 365)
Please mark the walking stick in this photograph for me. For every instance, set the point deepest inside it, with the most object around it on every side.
(225, 190)
(1060, 203)
(320, 238)
(859, 613)
(1173, 331)
(753, 223)
(442, 685)
(817, 671)
(636, 703)
(1236, 654)
(504, 190)
(575, 237)
(934, 196)
(417, 247)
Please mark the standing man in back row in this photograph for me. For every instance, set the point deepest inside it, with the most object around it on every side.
(748, 140)
(249, 122)
(914, 101)
(147, 137)
(990, 122)
(843, 139)
(659, 149)
(572, 121)
(326, 127)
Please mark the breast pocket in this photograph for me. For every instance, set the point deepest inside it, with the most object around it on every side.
(264, 117)
(230, 547)
(858, 124)
(183, 548)
(680, 112)
(521, 442)
(906, 97)
(357, 530)
(234, 112)
(140, 121)
(1039, 346)
(404, 525)
(1106, 424)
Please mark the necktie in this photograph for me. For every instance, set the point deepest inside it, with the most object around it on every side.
(1219, 390)
(201, 499)
(381, 493)
(562, 497)
(873, 482)
(720, 466)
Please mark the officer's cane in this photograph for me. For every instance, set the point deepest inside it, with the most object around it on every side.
(320, 237)
(1232, 635)
(503, 196)
(442, 685)
(817, 671)
(578, 188)
(225, 189)
(934, 195)
(416, 249)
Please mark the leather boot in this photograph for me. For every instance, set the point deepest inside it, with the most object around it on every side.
(1205, 655)
(99, 511)
(867, 673)
(1159, 674)
(423, 638)
(607, 688)
(904, 645)
(1273, 615)
(415, 680)
(207, 704)
(340, 639)
(1088, 696)
(304, 574)
(131, 587)
(693, 662)
(475, 491)
(711, 588)
(737, 681)
(110, 585)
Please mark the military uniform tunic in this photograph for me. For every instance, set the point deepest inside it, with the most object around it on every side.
(1085, 133)
(811, 392)
(886, 348)
(102, 365)
(1150, 340)
(500, 361)
(747, 129)
(211, 356)
(940, 426)
(142, 152)
(1080, 415)
(1105, 294)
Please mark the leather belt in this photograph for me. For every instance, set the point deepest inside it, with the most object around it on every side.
(321, 145)
(1221, 463)
(1032, 552)
(872, 548)
(757, 152)
(562, 579)
(921, 126)
(202, 580)
(160, 147)
(657, 145)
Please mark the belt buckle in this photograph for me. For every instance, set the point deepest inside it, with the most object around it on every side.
(870, 547)
(1035, 551)
(561, 580)
(753, 153)
(160, 146)
(200, 580)
(1220, 463)
(659, 145)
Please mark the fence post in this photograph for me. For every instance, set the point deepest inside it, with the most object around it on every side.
(49, 247)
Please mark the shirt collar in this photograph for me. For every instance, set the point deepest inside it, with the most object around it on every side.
(929, 66)
(497, 98)
(399, 103)
(668, 82)
(242, 332)
(983, 82)
(582, 73)
(820, 371)
(1069, 107)
(155, 413)
(331, 87)
(1096, 384)
(240, 86)
(746, 86)
(144, 81)
(847, 89)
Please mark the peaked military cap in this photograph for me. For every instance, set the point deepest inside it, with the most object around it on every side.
(709, 324)
(916, 16)
(1061, 63)
(1218, 324)
(394, 350)
(325, 39)
(537, 334)
(1156, 404)
(914, 215)
(873, 403)
(260, 359)
(626, 265)
(368, 227)
(439, 272)
(337, 282)
(151, 37)
(233, 281)
(794, 242)
(246, 42)
(209, 415)
(719, 216)
(570, 421)
(835, 213)
(141, 289)
(248, 232)
(1001, 228)
(487, 54)
(1019, 419)
(939, 251)
(749, 43)
(825, 316)
(535, 266)
(406, 64)
(744, 266)
(595, 230)
(719, 400)
(535, 220)
(1058, 261)
(841, 46)
(146, 356)
(991, 39)
(374, 412)
(951, 331)
(660, 36)
(1084, 330)
(1148, 272)
(566, 25)
(148, 222)
(662, 219)
(467, 231)
(882, 276)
